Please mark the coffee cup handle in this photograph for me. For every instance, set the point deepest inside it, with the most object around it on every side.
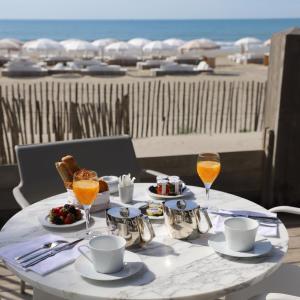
(83, 253)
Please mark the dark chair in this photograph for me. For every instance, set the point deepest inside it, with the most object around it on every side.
(39, 178)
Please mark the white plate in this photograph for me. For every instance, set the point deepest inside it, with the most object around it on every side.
(185, 192)
(262, 246)
(44, 220)
(132, 265)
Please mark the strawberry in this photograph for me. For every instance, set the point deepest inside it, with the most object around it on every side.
(55, 211)
(69, 219)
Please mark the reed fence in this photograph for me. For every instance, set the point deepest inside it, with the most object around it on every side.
(53, 111)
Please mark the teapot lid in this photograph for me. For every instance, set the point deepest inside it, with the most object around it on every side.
(124, 212)
(181, 205)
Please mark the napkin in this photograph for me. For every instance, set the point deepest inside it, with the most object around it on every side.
(61, 259)
(267, 229)
(244, 213)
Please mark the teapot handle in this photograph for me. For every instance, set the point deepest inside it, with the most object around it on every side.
(149, 228)
(208, 221)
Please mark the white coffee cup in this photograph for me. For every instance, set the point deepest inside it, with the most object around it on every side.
(126, 193)
(240, 233)
(106, 253)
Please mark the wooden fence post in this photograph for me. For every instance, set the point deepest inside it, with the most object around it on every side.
(282, 121)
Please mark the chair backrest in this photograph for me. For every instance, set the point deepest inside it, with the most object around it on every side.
(107, 156)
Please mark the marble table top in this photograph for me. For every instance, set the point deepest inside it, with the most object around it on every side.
(174, 269)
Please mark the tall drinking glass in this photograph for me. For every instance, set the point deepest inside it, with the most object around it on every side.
(208, 169)
(86, 189)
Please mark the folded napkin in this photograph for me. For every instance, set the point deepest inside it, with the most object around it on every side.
(243, 213)
(61, 259)
(267, 229)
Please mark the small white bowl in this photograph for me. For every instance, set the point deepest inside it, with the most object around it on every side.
(112, 182)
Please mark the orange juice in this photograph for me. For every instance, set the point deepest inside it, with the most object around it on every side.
(208, 171)
(86, 191)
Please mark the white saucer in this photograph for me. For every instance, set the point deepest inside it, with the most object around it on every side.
(132, 265)
(262, 246)
(44, 220)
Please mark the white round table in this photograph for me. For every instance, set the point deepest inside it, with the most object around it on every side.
(174, 269)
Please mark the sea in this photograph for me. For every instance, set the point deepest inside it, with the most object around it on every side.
(218, 30)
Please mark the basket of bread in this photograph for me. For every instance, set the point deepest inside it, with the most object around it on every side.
(66, 168)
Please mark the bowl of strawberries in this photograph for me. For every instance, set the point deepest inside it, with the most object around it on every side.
(63, 217)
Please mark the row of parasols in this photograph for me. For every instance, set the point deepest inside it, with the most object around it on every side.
(136, 46)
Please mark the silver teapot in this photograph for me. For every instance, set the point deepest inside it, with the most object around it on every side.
(183, 219)
(130, 223)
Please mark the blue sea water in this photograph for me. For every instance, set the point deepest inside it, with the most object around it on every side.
(218, 30)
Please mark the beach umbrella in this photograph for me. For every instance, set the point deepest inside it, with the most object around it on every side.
(199, 44)
(267, 43)
(120, 48)
(247, 41)
(102, 43)
(79, 47)
(139, 42)
(44, 46)
(174, 43)
(9, 45)
(157, 48)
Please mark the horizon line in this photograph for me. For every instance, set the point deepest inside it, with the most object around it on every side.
(150, 19)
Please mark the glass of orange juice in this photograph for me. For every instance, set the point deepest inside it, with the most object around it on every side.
(208, 169)
(86, 188)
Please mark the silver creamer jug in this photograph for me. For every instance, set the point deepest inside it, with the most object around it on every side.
(183, 219)
(131, 224)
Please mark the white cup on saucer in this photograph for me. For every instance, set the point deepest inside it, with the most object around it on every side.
(240, 233)
(106, 253)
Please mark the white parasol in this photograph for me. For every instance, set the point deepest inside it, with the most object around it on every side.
(157, 48)
(199, 44)
(79, 47)
(120, 48)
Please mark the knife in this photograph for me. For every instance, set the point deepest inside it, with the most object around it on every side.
(266, 218)
(51, 253)
(33, 256)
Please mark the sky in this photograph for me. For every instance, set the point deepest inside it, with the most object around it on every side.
(149, 9)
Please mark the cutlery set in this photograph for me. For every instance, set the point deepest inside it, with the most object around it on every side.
(35, 256)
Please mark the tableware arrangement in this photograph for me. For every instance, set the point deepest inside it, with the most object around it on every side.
(208, 169)
(48, 245)
(132, 265)
(131, 224)
(240, 233)
(49, 253)
(168, 187)
(262, 246)
(240, 239)
(126, 185)
(106, 253)
(44, 219)
(66, 168)
(183, 219)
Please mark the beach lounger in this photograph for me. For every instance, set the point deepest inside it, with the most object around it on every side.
(123, 61)
(24, 73)
(177, 69)
(52, 61)
(24, 68)
(104, 70)
(150, 64)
